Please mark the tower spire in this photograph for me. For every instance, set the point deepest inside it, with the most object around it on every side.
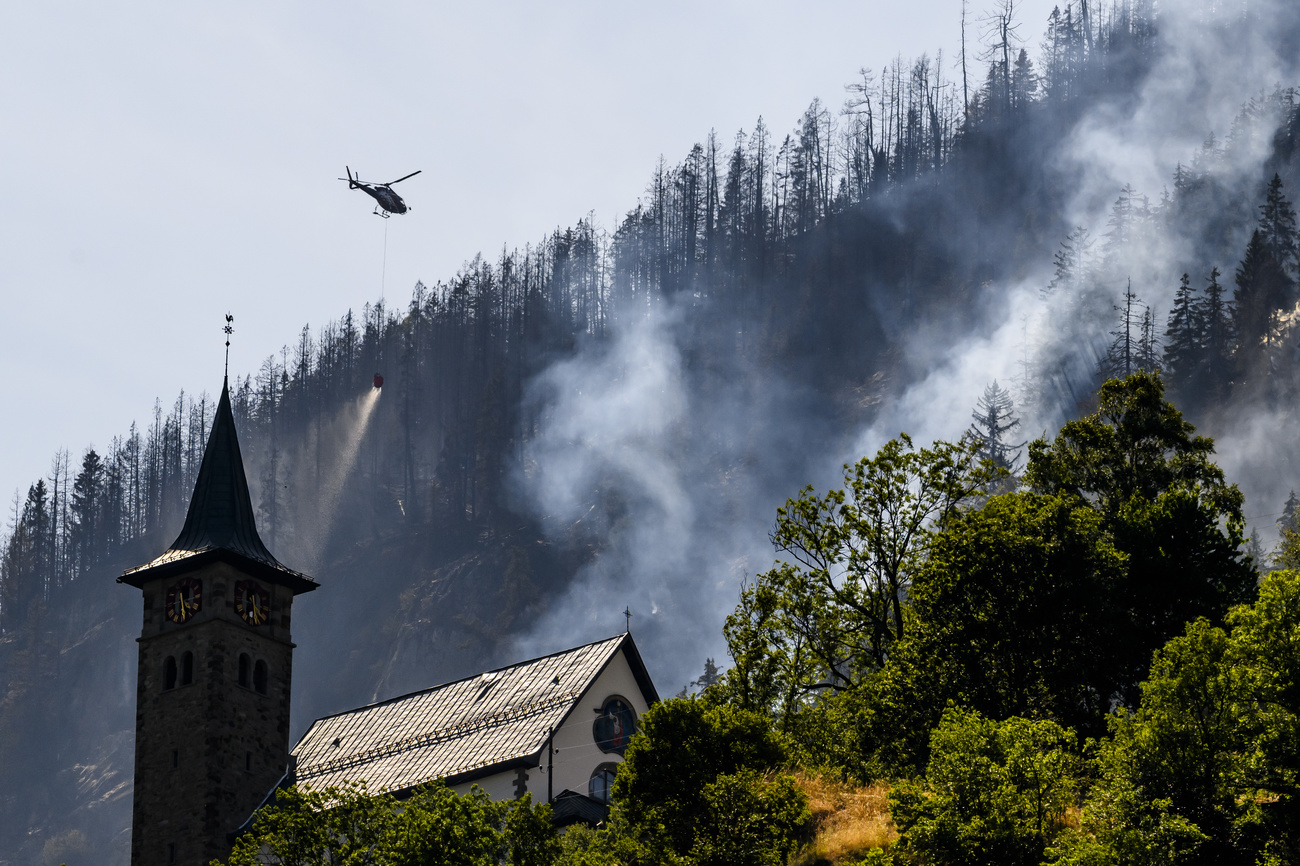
(220, 523)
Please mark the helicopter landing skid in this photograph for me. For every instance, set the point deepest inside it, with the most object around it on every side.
(383, 214)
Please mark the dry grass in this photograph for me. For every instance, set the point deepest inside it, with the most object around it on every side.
(847, 821)
(1073, 818)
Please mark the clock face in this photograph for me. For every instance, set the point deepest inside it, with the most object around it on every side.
(184, 599)
(252, 602)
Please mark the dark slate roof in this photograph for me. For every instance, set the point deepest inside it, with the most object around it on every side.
(461, 730)
(570, 807)
(220, 523)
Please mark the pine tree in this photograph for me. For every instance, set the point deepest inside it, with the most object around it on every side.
(24, 572)
(1148, 345)
(1182, 351)
(1286, 554)
(1263, 287)
(995, 417)
(1288, 520)
(1072, 262)
(1277, 223)
(1122, 222)
(1254, 548)
(1123, 357)
(1024, 81)
(87, 533)
(1216, 337)
(710, 677)
(1266, 281)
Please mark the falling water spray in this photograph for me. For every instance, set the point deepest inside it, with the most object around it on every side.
(353, 423)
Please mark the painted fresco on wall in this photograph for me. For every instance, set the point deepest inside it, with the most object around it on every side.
(615, 725)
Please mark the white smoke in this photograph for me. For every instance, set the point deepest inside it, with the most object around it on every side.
(682, 468)
(687, 468)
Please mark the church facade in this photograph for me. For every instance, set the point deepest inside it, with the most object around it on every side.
(214, 682)
(554, 727)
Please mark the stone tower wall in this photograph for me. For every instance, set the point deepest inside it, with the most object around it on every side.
(207, 752)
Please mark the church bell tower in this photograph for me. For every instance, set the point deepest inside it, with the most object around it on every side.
(212, 693)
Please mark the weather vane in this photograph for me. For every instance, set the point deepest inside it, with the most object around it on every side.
(228, 329)
(627, 615)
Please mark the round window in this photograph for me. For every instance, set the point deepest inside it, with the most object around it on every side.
(615, 725)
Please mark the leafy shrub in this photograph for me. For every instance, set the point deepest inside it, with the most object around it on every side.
(694, 788)
(435, 825)
(993, 793)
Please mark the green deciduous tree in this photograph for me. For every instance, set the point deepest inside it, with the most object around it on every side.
(1123, 823)
(749, 820)
(1185, 738)
(1014, 598)
(694, 788)
(350, 826)
(1165, 504)
(1205, 770)
(993, 792)
(1048, 603)
(826, 617)
(1264, 653)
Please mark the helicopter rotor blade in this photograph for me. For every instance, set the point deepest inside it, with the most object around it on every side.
(400, 179)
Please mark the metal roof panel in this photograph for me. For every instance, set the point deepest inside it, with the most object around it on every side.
(453, 729)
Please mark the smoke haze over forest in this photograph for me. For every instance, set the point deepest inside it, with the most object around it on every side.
(687, 539)
(610, 417)
(179, 164)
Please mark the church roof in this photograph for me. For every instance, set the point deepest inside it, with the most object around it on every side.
(220, 524)
(570, 807)
(461, 730)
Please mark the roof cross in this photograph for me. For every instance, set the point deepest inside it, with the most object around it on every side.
(627, 616)
(228, 330)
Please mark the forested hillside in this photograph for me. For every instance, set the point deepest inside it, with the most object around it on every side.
(613, 414)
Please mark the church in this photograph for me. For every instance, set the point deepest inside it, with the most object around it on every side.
(213, 689)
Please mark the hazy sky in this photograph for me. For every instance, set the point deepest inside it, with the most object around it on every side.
(166, 163)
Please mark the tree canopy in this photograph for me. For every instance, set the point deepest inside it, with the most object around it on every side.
(827, 616)
(432, 826)
(1165, 505)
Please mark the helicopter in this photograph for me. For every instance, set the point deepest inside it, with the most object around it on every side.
(389, 201)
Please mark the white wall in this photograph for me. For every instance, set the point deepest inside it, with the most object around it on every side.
(576, 753)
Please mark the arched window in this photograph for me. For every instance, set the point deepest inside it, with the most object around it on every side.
(601, 781)
(169, 673)
(259, 677)
(187, 668)
(245, 670)
(615, 725)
